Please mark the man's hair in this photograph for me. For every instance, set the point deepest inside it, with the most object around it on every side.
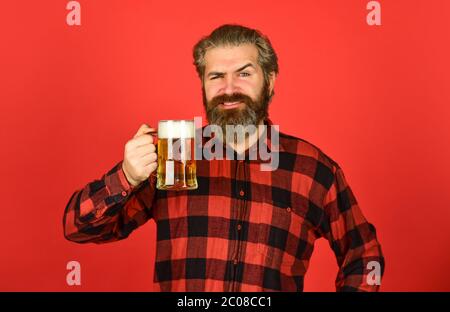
(235, 35)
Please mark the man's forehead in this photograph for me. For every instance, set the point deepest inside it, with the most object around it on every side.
(226, 57)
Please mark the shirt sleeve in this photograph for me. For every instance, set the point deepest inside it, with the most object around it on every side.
(352, 238)
(108, 209)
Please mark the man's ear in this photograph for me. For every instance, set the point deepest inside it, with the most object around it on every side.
(272, 78)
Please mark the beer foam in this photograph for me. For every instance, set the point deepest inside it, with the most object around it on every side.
(168, 129)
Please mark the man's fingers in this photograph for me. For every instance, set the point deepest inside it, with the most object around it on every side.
(145, 149)
(150, 168)
(149, 159)
(144, 139)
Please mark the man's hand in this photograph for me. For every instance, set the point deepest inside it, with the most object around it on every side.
(140, 158)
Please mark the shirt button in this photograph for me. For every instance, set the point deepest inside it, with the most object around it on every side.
(124, 193)
(288, 209)
(239, 227)
(235, 261)
(241, 192)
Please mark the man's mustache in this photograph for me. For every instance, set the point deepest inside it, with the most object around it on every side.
(235, 97)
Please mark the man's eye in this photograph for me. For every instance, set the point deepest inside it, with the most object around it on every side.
(215, 77)
(244, 74)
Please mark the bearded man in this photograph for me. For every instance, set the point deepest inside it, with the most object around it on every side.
(243, 228)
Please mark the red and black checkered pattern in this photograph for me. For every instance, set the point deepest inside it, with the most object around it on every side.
(243, 229)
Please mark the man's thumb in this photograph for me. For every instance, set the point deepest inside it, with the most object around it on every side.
(143, 129)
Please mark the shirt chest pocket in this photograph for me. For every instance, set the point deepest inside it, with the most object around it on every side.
(282, 232)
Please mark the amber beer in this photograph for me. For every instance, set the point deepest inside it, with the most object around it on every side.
(176, 159)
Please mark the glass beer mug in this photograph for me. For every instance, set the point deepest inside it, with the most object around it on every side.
(176, 158)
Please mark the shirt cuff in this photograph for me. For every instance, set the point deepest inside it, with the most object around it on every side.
(123, 180)
(117, 182)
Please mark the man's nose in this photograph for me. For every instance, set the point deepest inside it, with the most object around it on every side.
(230, 86)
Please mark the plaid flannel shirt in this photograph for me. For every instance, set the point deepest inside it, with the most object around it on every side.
(243, 229)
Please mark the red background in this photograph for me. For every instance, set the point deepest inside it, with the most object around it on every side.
(374, 98)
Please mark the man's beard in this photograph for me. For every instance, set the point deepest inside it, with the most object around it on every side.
(252, 113)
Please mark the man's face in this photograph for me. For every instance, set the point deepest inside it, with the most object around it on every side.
(234, 91)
